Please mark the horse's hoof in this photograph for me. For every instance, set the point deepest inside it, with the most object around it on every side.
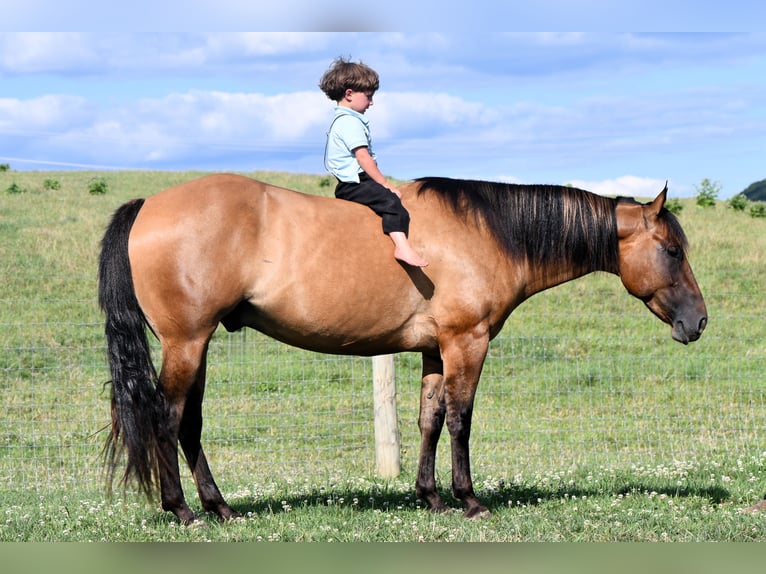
(197, 524)
(440, 509)
(477, 513)
(434, 504)
(186, 516)
(229, 514)
(193, 522)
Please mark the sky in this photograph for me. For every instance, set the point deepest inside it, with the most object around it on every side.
(614, 112)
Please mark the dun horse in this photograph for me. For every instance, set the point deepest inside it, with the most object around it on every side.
(319, 274)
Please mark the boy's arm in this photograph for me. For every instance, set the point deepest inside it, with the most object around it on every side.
(371, 168)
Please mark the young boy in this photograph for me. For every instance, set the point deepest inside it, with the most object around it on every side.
(349, 156)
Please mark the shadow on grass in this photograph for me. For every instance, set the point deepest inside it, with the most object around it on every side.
(505, 495)
(531, 496)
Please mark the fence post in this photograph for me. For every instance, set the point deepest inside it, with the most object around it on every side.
(386, 426)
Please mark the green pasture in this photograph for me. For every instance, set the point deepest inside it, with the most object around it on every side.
(591, 424)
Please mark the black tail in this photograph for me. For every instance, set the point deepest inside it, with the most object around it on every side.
(135, 405)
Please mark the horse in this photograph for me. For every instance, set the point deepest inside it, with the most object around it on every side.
(318, 273)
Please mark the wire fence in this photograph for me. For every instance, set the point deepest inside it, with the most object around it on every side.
(577, 378)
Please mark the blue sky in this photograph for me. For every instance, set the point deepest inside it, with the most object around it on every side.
(617, 113)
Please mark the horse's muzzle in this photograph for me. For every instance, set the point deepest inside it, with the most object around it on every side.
(684, 334)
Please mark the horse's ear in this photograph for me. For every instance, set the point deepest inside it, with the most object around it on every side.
(656, 206)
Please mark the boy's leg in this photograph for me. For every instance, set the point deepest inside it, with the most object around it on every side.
(381, 200)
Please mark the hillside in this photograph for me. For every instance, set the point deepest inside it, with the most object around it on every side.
(756, 191)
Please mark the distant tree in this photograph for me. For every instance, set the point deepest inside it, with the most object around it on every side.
(5, 167)
(707, 192)
(756, 191)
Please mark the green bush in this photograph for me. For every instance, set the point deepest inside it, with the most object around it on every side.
(738, 202)
(707, 192)
(98, 186)
(758, 209)
(51, 184)
(324, 182)
(5, 167)
(674, 206)
(15, 188)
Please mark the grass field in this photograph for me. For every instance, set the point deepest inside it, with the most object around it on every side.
(591, 424)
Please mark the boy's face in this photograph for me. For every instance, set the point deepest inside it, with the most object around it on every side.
(357, 101)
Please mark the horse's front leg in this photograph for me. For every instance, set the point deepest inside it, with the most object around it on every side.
(463, 360)
(430, 422)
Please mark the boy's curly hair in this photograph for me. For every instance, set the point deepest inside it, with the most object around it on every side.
(344, 74)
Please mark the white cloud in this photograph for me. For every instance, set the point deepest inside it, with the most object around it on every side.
(419, 114)
(176, 128)
(627, 186)
(235, 117)
(559, 39)
(249, 44)
(49, 113)
(32, 52)
(149, 53)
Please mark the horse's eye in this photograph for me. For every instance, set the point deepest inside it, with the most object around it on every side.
(673, 251)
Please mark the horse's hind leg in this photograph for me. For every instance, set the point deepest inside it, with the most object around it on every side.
(182, 362)
(189, 436)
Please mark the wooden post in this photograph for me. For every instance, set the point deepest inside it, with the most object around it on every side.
(386, 426)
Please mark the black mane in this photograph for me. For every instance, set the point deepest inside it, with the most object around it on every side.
(544, 224)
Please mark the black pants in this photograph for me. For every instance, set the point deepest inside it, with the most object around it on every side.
(378, 198)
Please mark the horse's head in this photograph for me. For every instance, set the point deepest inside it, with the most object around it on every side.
(654, 267)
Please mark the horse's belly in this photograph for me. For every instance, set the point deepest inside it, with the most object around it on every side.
(340, 333)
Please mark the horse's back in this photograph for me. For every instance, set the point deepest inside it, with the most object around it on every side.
(213, 197)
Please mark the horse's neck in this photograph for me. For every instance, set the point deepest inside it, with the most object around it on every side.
(545, 276)
(540, 280)
(582, 243)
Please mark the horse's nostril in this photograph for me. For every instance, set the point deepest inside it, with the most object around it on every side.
(703, 324)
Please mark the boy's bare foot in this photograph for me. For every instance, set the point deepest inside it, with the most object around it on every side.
(403, 251)
(410, 257)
